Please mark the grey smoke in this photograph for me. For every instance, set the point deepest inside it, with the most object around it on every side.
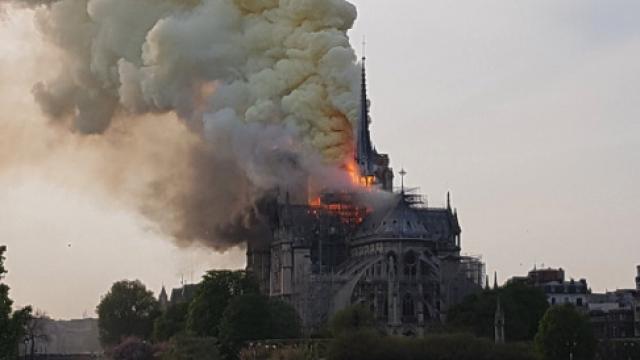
(269, 90)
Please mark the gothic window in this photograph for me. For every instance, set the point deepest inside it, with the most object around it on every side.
(407, 306)
(372, 306)
(410, 264)
(424, 268)
(386, 307)
(425, 309)
(392, 264)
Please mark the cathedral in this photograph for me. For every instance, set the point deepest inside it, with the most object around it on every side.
(400, 258)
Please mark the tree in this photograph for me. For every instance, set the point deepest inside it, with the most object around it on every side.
(245, 318)
(255, 317)
(172, 322)
(12, 324)
(133, 349)
(368, 345)
(127, 310)
(214, 294)
(362, 344)
(523, 305)
(190, 348)
(564, 331)
(35, 332)
(285, 321)
(352, 319)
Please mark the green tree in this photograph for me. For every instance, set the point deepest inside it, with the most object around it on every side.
(127, 310)
(214, 294)
(245, 318)
(12, 324)
(190, 348)
(368, 345)
(35, 332)
(255, 317)
(172, 322)
(361, 344)
(133, 349)
(523, 305)
(352, 319)
(285, 321)
(563, 330)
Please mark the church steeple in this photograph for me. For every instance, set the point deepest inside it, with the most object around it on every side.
(163, 299)
(364, 151)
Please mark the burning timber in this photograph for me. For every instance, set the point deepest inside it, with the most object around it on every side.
(398, 257)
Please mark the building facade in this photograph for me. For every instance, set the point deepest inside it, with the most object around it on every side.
(614, 315)
(557, 289)
(396, 256)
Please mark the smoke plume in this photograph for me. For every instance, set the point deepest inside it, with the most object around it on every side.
(266, 92)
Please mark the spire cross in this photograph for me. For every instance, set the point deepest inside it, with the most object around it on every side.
(403, 173)
(364, 47)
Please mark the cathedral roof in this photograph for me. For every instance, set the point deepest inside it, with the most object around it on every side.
(401, 218)
(398, 219)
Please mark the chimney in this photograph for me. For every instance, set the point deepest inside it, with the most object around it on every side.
(638, 278)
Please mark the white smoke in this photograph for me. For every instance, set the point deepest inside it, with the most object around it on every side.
(278, 62)
(270, 87)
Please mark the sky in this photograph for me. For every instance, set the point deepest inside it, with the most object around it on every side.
(526, 111)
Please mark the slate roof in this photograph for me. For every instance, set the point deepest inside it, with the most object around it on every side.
(403, 219)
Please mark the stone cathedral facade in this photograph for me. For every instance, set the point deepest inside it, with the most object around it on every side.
(400, 258)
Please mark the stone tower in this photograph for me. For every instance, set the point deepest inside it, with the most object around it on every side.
(499, 324)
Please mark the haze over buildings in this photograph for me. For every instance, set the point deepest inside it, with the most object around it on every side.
(526, 111)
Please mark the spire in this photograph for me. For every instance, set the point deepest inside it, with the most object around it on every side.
(448, 200)
(495, 280)
(363, 146)
(403, 173)
(163, 299)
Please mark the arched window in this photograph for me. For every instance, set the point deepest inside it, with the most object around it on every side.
(410, 264)
(386, 307)
(425, 310)
(424, 268)
(392, 263)
(408, 308)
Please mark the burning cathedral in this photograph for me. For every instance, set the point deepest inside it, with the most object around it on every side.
(397, 256)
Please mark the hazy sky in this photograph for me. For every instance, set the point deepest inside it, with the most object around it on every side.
(527, 111)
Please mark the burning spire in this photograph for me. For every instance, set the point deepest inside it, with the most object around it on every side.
(364, 150)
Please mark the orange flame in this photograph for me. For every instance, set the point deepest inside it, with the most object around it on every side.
(316, 201)
(341, 204)
(358, 179)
